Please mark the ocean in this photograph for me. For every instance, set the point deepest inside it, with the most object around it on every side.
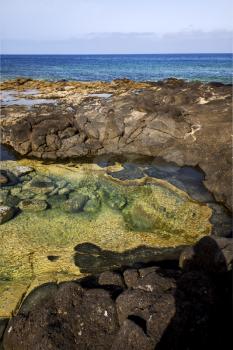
(204, 67)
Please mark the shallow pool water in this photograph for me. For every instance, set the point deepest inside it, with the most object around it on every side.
(77, 218)
(12, 97)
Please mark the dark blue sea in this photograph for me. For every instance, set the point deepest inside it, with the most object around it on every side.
(204, 67)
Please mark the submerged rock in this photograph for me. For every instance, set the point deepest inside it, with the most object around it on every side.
(40, 185)
(33, 205)
(6, 213)
(92, 205)
(3, 179)
(76, 203)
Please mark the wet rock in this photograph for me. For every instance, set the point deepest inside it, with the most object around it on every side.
(8, 178)
(76, 203)
(33, 205)
(92, 206)
(15, 191)
(21, 170)
(12, 201)
(6, 213)
(64, 191)
(115, 200)
(57, 201)
(3, 195)
(140, 216)
(3, 179)
(40, 185)
(61, 184)
(26, 194)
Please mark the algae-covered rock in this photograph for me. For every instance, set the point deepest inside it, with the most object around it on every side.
(12, 201)
(57, 201)
(6, 213)
(64, 191)
(15, 191)
(33, 205)
(26, 194)
(76, 203)
(3, 195)
(115, 200)
(40, 185)
(92, 205)
(140, 216)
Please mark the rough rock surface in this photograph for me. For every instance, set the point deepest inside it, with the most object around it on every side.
(6, 213)
(188, 123)
(145, 308)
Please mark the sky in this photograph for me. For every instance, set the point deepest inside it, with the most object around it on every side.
(115, 26)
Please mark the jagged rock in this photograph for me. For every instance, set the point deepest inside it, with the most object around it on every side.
(185, 122)
(69, 318)
(180, 310)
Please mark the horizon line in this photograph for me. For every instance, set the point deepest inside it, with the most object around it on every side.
(120, 54)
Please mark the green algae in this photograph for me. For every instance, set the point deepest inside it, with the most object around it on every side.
(112, 214)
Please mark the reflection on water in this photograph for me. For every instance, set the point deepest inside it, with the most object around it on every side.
(6, 153)
(12, 97)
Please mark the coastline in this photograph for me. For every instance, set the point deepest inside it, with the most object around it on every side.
(55, 125)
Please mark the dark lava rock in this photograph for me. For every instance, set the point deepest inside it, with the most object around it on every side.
(188, 123)
(70, 317)
(110, 278)
(154, 308)
(132, 337)
(211, 254)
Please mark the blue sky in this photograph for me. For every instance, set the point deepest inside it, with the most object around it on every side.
(115, 26)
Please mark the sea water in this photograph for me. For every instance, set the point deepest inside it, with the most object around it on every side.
(203, 67)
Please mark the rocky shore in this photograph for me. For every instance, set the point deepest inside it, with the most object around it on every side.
(116, 216)
(185, 122)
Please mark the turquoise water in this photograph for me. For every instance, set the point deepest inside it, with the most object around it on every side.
(204, 67)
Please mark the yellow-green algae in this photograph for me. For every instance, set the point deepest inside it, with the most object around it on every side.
(28, 239)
